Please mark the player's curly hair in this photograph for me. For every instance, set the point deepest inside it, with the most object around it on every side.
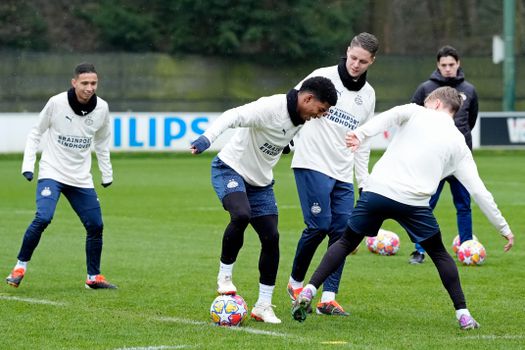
(366, 41)
(322, 88)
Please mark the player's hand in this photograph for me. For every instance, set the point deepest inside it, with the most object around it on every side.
(510, 243)
(107, 184)
(352, 141)
(28, 175)
(200, 145)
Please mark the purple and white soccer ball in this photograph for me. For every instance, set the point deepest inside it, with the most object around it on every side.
(385, 243)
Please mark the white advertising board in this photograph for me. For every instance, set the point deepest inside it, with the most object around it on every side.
(137, 131)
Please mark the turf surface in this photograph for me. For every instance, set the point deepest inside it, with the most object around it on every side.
(163, 228)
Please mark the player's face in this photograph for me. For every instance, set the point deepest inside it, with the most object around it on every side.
(448, 67)
(85, 85)
(312, 108)
(357, 61)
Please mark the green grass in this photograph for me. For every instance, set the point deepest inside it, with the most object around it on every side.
(163, 228)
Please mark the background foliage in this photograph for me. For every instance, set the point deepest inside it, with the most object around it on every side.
(265, 29)
(211, 55)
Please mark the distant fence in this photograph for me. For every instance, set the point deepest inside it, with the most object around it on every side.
(174, 131)
(160, 83)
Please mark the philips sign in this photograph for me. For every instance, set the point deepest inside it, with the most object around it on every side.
(142, 131)
(174, 131)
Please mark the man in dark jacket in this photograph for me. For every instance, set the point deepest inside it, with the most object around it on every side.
(449, 73)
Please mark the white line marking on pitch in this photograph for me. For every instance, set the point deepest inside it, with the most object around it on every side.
(239, 329)
(493, 337)
(161, 347)
(33, 301)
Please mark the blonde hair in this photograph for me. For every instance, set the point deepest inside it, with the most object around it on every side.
(449, 96)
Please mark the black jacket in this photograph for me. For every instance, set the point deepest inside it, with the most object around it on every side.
(466, 117)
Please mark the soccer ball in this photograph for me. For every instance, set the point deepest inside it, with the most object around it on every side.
(471, 253)
(228, 310)
(456, 243)
(385, 243)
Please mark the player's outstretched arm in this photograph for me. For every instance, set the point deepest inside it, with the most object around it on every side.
(352, 141)
(200, 145)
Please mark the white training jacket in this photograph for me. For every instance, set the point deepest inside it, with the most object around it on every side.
(426, 148)
(67, 139)
(320, 145)
(265, 128)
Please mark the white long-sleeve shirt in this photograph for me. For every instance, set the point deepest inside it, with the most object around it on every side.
(320, 145)
(426, 148)
(265, 128)
(67, 139)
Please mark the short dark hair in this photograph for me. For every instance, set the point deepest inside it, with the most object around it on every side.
(322, 88)
(447, 50)
(449, 96)
(366, 41)
(84, 68)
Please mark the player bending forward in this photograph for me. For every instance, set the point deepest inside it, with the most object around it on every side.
(426, 148)
(243, 179)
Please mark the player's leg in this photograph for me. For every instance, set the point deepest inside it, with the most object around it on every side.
(449, 275)
(314, 190)
(366, 218)
(264, 221)
(47, 195)
(86, 205)
(422, 227)
(418, 255)
(332, 260)
(231, 190)
(461, 199)
(266, 228)
(342, 204)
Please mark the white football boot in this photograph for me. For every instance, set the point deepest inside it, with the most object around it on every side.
(264, 312)
(225, 285)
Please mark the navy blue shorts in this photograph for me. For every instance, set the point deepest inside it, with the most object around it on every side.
(372, 209)
(225, 180)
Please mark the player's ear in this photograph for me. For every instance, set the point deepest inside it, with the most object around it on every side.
(308, 97)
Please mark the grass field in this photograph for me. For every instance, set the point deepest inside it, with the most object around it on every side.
(163, 228)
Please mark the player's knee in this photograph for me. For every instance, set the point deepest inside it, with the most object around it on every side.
(94, 227)
(43, 218)
(320, 225)
(240, 215)
(92, 220)
(463, 211)
(270, 240)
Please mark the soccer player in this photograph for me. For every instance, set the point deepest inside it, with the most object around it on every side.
(243, 180)
(68, 126)
(426, 148)
(324, 167)
(450, 73)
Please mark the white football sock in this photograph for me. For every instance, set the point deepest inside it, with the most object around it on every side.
(265, 294)
(295, 284)
(225, 270)
(312, 288)
(21, 265)
(327, 296)
(461, 312)
(91, 277)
